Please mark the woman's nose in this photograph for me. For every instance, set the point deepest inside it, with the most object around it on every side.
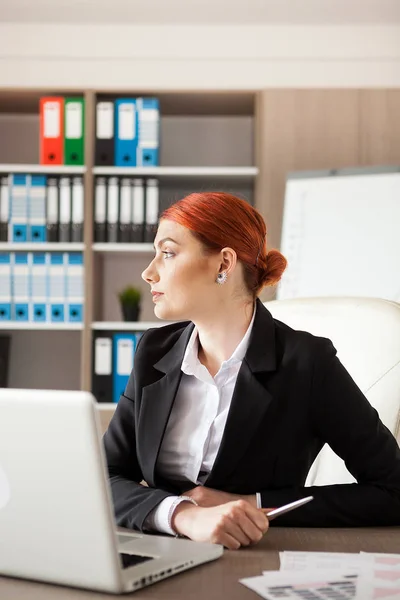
(150, 274)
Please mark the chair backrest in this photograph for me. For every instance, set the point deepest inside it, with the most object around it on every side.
(366, 335)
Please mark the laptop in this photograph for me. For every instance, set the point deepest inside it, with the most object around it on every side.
(56, 518)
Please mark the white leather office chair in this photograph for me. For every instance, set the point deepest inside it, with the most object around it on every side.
(366, 334)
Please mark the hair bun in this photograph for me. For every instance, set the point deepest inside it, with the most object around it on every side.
(276, 263)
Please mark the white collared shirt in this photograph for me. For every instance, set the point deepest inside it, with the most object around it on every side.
(197, 422)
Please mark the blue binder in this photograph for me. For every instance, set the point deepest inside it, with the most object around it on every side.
(39, 288)
(5, 286)
(19, 208)
(21, 287)
(126, 127)
(57, 287)
(124, 346)
(148, 118)
(75, 291)
(37, 209)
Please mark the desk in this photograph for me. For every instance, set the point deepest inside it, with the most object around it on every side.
(219, 579)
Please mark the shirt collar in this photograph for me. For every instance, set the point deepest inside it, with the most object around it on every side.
(191, 363)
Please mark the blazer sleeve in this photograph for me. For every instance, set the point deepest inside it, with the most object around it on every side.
(343, 418)
(132, 500)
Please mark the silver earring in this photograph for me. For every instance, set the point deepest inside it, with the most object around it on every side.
(222, 277)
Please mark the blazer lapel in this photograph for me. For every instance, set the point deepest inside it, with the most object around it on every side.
(156, 405)
(250, 399)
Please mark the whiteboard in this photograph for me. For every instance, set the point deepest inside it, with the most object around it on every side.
(341, 237)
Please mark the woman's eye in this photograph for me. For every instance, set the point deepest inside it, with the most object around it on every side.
(167, 254)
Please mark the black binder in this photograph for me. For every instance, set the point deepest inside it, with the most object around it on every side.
(102, 366)
(52, 209)
(125, 208)
(4, 208)
(100, 209)
(5, 344)
(138, 211)
(105, 132)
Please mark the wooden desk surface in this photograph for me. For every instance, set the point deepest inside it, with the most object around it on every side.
(219, 579)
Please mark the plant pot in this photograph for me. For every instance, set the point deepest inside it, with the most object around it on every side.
(130, 312)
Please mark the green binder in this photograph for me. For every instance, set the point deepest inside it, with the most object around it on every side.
(74, 131)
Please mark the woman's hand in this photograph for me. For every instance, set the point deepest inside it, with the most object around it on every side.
(208, 497)
(232, 524)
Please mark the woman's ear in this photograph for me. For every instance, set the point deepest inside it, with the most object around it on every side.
(228, 261)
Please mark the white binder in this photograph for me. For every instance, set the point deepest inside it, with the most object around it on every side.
(4, 208)
(77, 209)
(138, 211)
(65, 210)
(112, 210)
(152, 209)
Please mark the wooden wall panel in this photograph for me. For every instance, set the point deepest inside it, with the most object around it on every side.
(301, 130)
(379, 125)
(319, 129)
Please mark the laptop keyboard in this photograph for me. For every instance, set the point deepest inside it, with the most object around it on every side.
(130, 560)
(124, 539)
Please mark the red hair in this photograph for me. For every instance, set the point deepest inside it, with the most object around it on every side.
(220, 220)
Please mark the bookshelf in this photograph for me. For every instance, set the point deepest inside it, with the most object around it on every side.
(23, 326)
(215, 172)
(208, 141)
(123, 248)
(43, 169)
(127, 326)
(41, 247)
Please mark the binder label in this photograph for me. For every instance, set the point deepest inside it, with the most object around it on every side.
(73, 121)
(125, 202)
(52, 201)
(51, 120)
(148, 128)
(101, 197)
(125, 353)
(105, 120)
(103, 357)
(126, 121)
(138, 202)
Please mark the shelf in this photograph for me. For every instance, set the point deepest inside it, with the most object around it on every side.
(128, 325)
(41, 247)
(47, 169)
(126, 248)
(229, 172)
(27, 326)
(106, 405)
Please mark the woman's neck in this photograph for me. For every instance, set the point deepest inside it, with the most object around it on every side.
(220, 336)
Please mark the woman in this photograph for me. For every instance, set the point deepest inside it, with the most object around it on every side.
(225, 413)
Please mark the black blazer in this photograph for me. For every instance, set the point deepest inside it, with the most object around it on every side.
(292, 395)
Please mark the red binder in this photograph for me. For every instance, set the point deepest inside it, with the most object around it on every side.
(51, 130)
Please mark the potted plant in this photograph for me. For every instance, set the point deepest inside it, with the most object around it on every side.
(130, 298)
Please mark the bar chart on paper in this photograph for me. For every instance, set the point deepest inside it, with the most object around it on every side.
(341, 237)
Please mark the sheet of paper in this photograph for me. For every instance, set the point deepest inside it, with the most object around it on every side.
(303, 561)
(388, 560)
(324, 585)
(376, 588)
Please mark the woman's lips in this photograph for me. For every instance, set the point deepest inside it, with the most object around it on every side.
(156, 295)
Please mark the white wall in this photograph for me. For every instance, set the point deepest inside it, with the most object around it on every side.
(188, 57)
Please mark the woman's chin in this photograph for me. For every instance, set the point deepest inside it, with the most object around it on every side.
(162, 313)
